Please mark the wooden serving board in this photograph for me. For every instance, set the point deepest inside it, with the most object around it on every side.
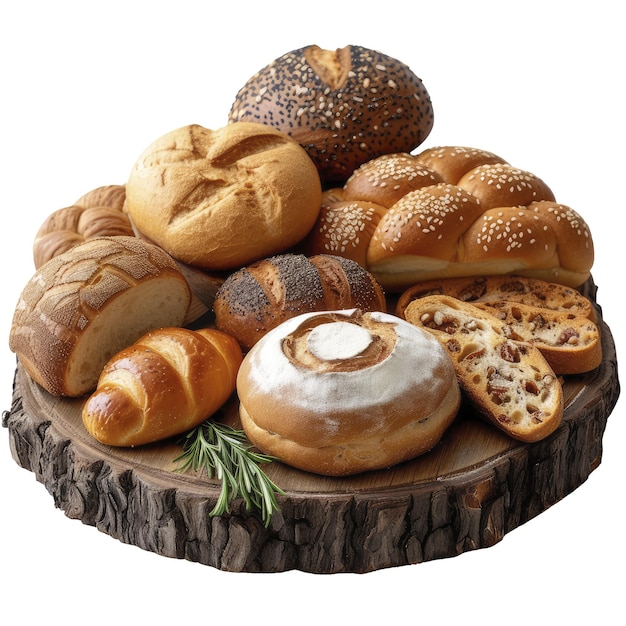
(467, 493)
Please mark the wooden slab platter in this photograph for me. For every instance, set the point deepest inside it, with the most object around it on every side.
(467, 493)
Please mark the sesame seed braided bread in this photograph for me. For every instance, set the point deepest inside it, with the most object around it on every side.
(467, 213)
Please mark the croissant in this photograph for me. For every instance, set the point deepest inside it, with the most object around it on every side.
(167, 382)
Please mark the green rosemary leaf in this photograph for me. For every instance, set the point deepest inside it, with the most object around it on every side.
(224, 453)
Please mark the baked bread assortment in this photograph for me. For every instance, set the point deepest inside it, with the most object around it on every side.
(167, 382)
(99, 213)
(478, 216)
(86, 304)
(289, 225)
(508, 382)
(220, 199)
(257, 298)
(344, 106)
(305, 392)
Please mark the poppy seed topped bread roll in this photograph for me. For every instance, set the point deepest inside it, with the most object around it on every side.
(344, 106)
(259, 297)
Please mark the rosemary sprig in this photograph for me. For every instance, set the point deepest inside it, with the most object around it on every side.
(225, 453)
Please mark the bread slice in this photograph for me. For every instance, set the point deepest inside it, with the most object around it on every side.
(84, 305)
(571, 344)
(529, 291)
(508, 382)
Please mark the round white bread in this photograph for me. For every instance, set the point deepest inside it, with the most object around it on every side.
(344, 106)
(220, 199)
(85, 305)
(342, 392)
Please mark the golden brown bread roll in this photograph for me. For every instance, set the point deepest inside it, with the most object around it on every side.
(344, 106)
(343, 392)
(86, 304)
(259, 297)
(387, 178)
(508, 382)
(220, 199)
(502, 185)
(99, 213)
(167, 382)
(497, 219)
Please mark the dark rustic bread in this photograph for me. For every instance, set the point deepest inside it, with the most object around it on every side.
(259, 297)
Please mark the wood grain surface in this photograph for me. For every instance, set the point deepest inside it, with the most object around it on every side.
(465, 494)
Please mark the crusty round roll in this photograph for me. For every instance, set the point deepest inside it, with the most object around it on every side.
(343, 392)
(86, 304)
(496, 219)
(344, 106)
(167, 382)
(261, 296)
(99, 213)
(220, 199)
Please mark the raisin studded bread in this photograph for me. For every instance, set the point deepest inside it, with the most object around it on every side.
(508, 382)
(571, 344)
(530, 291)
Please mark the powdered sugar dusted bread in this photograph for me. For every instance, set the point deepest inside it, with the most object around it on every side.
(342, 392)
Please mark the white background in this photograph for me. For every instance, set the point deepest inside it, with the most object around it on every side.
(85, 90)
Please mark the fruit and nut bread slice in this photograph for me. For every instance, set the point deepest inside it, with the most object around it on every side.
(508, 382)
(571, 344)
(510, 288)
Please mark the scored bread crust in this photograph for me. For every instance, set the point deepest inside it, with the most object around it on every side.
(86, 304)
(343, 414)
(220, 199)
(343, 106)
(259, 297)
(167, 382)
(508, 382)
